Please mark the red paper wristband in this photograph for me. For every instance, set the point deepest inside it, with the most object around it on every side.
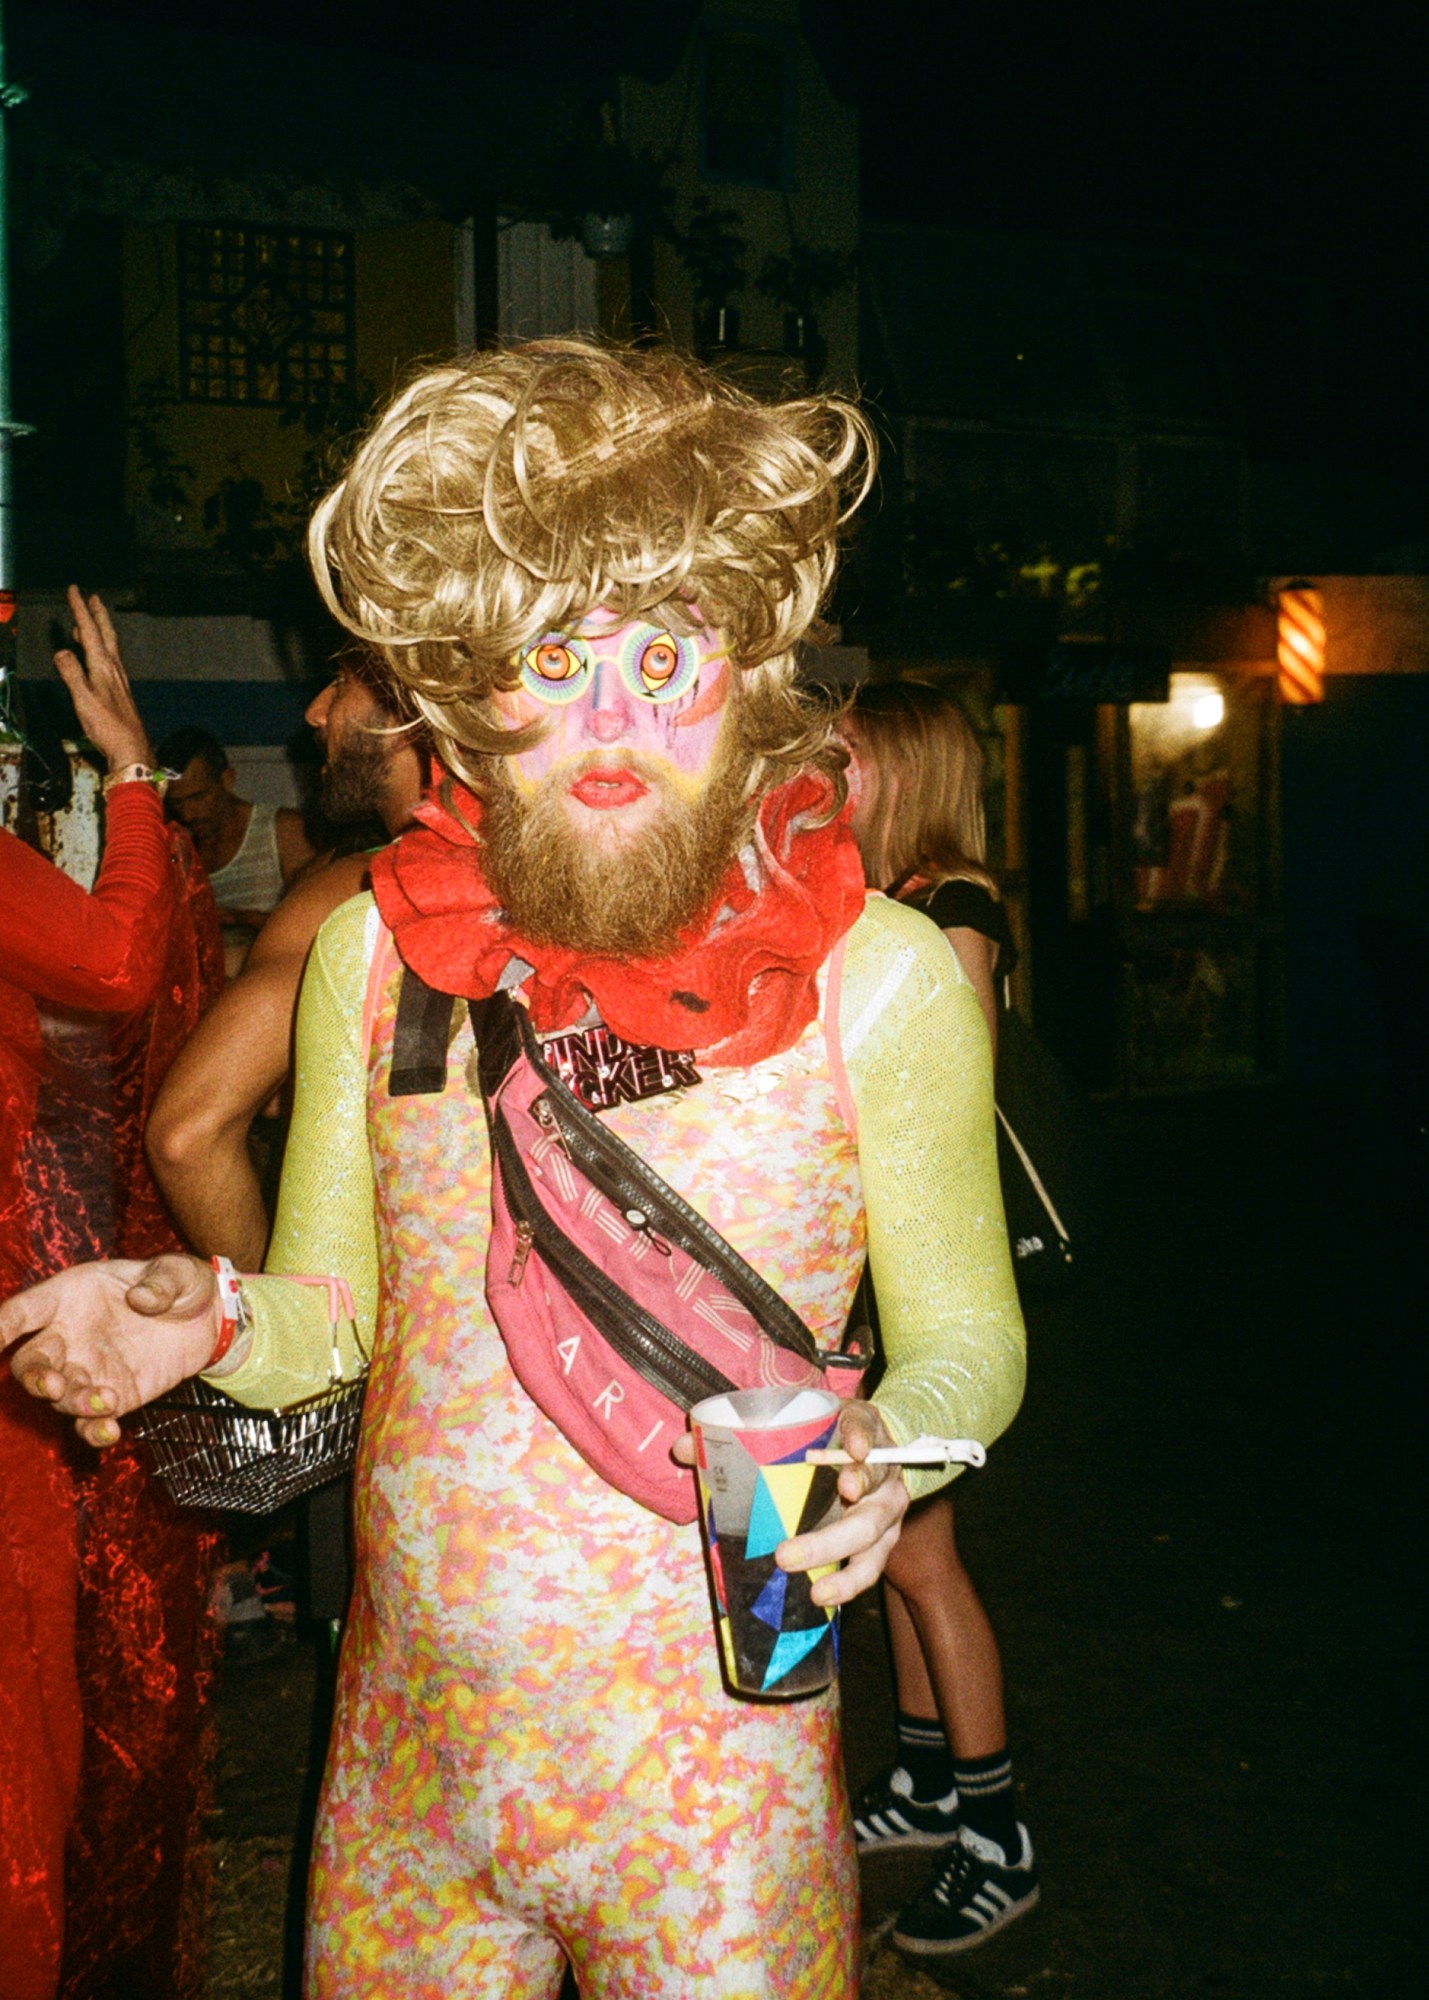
(230, 1305)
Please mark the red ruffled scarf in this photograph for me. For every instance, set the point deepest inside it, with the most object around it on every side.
(739, 986)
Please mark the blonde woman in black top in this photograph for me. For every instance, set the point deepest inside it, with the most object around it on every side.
(918, 819)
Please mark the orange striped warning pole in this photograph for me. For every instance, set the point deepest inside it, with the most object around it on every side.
(1301, 644)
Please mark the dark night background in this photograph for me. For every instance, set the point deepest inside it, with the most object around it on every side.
(1286, 146)
(1280, 152)
(1200, 1542)
(1203, 124)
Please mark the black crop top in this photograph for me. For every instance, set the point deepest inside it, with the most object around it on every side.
(960, 905)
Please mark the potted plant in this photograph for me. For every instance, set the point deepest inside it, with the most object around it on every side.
(609, 193)
(712, 249)
(800, 281)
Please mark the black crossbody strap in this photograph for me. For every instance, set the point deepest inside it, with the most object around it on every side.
(630, 1182)
(503, 1033)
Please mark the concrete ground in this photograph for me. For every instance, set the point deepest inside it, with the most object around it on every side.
(1198, 1546)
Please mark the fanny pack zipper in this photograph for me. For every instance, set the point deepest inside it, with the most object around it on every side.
(637, 1336)
(680, 1225)
(623, 1177)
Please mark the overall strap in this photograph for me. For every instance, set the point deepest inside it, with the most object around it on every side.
(503, 1035)
(422, 1031)
(419, 1039)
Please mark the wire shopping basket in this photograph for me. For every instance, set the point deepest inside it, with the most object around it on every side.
(213, 1452)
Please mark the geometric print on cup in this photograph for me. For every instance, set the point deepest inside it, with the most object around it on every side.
(773, 1637)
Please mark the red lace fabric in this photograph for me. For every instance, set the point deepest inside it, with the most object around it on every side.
(740, 985)
(104, 1651)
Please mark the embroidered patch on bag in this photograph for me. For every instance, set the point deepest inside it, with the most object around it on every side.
(602, 1069)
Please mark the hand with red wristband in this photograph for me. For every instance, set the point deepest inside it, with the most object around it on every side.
(100, 1339)
(233, 1312)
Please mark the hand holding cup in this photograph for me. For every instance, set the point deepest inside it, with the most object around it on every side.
(778, 1525)
(875, 1500)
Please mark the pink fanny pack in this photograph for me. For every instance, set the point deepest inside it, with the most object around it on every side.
(619, 1305)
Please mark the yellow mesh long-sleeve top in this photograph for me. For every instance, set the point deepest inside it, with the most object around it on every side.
(916, 1050)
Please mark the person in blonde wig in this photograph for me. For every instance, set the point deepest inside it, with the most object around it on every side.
(590, 570)
(489, 503)
(920, 828)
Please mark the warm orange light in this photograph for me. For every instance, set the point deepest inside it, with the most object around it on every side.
(1301, 648)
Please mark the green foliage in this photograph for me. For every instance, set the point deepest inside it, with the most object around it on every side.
(167, 478)
(802, 279)
(712, 249)
(940, 560)
(331, 427)
(249, 527)
(943, 560)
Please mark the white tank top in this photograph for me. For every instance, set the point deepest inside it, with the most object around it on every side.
(253, 879)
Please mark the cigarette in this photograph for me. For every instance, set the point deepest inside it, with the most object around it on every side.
(918, 1451)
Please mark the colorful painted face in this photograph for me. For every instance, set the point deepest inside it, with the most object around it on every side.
(622, 704)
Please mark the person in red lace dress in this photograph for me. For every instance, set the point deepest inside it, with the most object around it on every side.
(101, 1579)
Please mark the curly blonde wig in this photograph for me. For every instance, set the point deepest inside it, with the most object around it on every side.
(511, 493)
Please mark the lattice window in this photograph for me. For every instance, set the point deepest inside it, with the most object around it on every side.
(266, 315)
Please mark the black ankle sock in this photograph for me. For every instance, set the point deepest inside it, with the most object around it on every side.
(924, 1754)
(986, 1804)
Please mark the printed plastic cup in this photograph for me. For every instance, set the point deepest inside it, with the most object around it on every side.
(755, 1492)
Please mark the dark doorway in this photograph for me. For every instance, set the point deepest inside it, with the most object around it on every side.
(1071, 910)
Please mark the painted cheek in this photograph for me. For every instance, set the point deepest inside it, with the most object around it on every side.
(714, 687)
(682, 735)
(517, 711)
(653, 731)
(695, 731)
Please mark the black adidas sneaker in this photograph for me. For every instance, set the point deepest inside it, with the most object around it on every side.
(974, 1893)
(887, 1815)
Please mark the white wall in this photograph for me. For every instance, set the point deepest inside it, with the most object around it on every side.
(544, 288)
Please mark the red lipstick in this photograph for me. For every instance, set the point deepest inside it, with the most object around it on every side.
(608, 788)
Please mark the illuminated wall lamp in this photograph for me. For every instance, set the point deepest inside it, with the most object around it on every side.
(1300, 648)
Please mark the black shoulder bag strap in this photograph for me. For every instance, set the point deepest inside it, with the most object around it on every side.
(504, 1033)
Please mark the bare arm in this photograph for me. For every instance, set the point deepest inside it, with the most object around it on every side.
(977, 956)
(99, 687)
(197, 1137)
(295, 850)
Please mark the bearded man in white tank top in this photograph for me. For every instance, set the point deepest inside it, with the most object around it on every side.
(251, 850)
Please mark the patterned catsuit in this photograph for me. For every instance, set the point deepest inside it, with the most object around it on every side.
(533, 1753)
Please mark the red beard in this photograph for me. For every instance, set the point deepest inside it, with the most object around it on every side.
(620, 897)
(741, 982)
